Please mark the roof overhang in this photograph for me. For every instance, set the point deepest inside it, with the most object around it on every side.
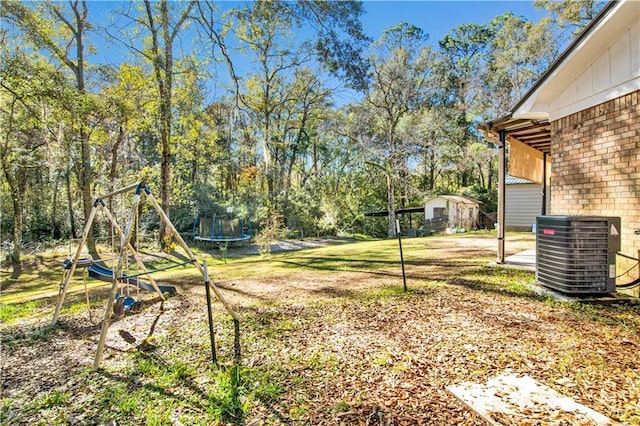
(535, 132)
(529, 120)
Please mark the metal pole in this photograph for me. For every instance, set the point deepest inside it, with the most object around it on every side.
(214, 357)
(404, 277)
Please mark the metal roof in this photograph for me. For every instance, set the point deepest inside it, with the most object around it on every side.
(512, 180)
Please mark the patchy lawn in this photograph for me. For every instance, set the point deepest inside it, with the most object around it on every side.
(328, 337)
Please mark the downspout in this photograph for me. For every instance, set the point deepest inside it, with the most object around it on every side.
(501, 194)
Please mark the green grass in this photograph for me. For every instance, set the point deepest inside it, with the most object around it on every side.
(13, 312)
(367, 256)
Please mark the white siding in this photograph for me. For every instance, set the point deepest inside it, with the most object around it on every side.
(523, 204)
(604, 65)
(429, 205)
(458, 214)
(614, 72)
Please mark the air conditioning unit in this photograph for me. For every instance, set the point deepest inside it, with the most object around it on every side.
(577, 254)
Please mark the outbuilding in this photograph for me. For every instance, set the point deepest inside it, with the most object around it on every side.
(459, 211)
(524, 203)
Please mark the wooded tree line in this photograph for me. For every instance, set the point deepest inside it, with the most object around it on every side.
(244, 106)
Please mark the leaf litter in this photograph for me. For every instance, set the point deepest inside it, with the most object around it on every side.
(349, 353)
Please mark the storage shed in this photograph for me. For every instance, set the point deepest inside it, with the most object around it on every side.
(524, 203)
(461, 212)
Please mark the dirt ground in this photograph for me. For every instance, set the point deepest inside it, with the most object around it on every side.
(342, 348)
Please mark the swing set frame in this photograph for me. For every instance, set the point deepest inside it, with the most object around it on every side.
(126, 247)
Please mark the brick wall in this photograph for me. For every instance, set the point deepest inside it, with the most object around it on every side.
(595, 157)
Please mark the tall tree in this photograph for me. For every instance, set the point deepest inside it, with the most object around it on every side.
(465, 51)
(62, 32)
(279, 97)
(267, 33)
(519, 51)
(400, 67)
(28, 88)
(570, 16)
(163, 23)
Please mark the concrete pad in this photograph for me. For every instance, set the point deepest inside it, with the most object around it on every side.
(513, 399)
(525, 260)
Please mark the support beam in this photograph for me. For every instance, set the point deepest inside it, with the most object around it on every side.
(185, 247)
(502, 165)
(119, 191)
(114, 285)
(67, 278)
(544, 184)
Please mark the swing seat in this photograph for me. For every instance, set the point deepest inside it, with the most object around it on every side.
(128, 303)
(105, 274)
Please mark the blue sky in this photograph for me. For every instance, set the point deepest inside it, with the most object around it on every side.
(439, 17)
(435, 17)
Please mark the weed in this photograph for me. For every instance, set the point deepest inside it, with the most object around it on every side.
(342, 407)
(43, 334)
(223, 402)
(300, 408)
(54, 398)
(11, 313)
(384, 293)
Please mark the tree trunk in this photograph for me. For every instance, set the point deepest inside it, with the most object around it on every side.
(85, 149)
(490, 176)
(87, 202)
(162, 62)
(17, 187)
(16, 264)
(72, 221)
(391, 206)
(55, 225)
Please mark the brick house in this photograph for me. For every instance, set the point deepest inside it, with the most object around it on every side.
(577, 130)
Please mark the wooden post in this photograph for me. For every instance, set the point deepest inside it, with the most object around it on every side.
(119, 191)
(544, 184)
(65, 284)
(501, 194)
(114, 286)
(183, 244)
(404, 277)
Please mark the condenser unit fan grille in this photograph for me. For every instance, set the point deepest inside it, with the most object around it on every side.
(574, 254)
